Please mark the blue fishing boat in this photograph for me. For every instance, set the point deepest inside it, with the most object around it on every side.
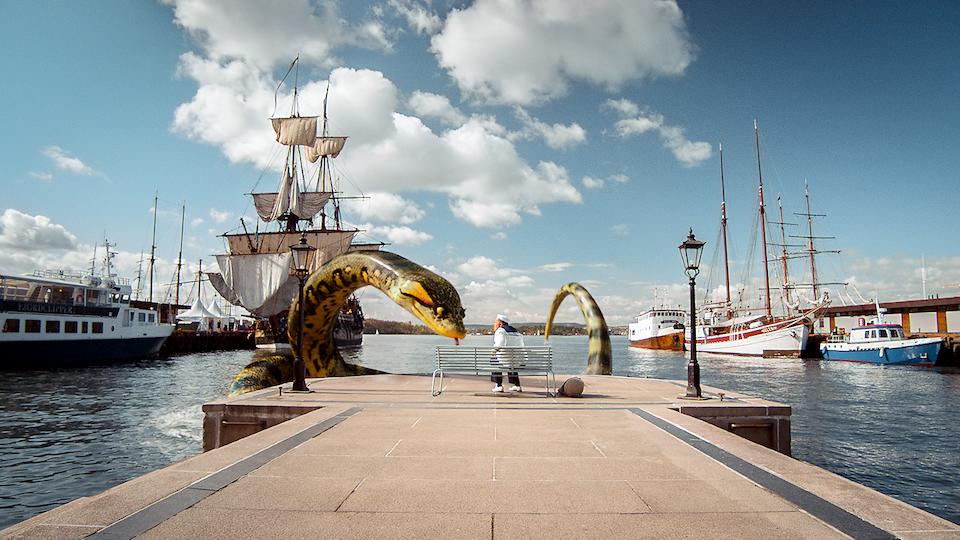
(881, 343)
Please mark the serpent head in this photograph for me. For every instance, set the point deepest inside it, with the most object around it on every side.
(432, 299)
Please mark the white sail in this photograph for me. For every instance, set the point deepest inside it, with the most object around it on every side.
(325, 146)
(255, 279)
(311, 202)
(297, 130)
(216, 279)
(330, 242)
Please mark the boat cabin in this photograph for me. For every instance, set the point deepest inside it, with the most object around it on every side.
(876, 332)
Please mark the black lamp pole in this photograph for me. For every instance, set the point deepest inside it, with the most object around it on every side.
(299, 366)
(301, 255)
(693, 368)
(691, 250)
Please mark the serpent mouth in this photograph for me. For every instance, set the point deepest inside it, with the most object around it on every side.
(451, 328)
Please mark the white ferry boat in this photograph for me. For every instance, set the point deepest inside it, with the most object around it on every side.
(658, 329)
(62, 318)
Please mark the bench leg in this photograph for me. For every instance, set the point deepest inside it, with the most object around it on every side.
(433, 390)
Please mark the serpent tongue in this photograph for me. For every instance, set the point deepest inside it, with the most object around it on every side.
(456, 341)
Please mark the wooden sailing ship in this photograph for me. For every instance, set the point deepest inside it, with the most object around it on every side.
(255, 272)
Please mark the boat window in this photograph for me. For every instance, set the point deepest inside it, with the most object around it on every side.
(32, 326)
(53, 327)
(131, 316)
(98, 328)
(152, 318)
(84, 327)
(11, 325)
(70, 327)
(142, 317)
(883, 333)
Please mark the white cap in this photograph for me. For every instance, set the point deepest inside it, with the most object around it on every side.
(504, 318)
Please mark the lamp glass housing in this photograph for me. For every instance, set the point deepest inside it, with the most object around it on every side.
(301, 255)
(691, 250)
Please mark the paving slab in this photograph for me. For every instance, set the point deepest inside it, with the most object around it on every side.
(382, 458)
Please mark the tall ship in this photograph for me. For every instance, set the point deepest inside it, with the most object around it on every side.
(57, 317)
(736, 329)
(255, 272)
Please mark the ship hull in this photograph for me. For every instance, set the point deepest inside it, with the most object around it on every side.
(922, 353)
(667, 342)
(786, 341)
(61, 352)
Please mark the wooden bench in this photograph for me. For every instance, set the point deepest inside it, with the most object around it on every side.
(487, 360)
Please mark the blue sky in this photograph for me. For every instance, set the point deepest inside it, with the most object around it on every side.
(495, 123)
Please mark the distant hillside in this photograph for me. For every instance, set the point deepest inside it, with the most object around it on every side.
(371, 326)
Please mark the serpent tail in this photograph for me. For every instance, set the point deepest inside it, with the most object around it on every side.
(599, 356)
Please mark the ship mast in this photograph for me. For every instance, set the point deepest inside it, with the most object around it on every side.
(139, 276)
(783, 254)
(723, 227)
(813, 264)
(183, 213)
(763, 222)
(153, 244)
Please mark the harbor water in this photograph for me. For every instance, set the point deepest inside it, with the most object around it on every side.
(69, 433)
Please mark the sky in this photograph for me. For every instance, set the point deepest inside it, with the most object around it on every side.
(511, 146)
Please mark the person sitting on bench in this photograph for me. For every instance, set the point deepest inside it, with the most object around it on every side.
(505, 335)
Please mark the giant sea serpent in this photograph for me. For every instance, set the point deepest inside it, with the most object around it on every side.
(426, 295)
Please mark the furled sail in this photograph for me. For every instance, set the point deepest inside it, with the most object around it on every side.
(333, 242)
(325, 146)
(311, 202)
(297, 130)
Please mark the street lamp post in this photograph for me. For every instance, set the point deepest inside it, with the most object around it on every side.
(690, 251)
(301, 252)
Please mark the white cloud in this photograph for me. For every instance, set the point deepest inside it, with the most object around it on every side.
(26, 233)
(196, 222)
(435, 106)
(558, 136)
(531, 49)
(634, 122)
(619, 178)
(489, 215)
(481, 267)
(556, 267)
(620, 229)
(499, 235)
(219, 216)
(488, 183)
(265, 34)
(388, 207)
(42, 175)
(418, 16)
(590, 182)
(63, 160)
(623, 106)
(399, 235)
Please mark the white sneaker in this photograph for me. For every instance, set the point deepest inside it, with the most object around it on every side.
(498, 388)
(515, 388)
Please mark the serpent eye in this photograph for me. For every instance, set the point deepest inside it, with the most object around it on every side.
(440, 311)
